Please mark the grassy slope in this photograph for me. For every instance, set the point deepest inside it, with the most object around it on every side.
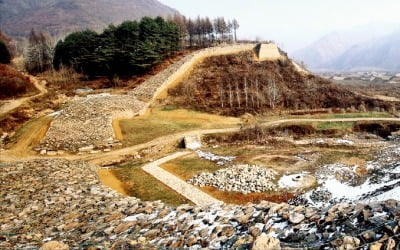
(161, 122)
(139, 184)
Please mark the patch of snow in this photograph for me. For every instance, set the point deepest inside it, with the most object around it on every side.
(294, 181)
(54, 114)
(392, 194)
(345, 142)
(343, 191)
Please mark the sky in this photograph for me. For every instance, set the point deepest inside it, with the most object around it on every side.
(293, 24)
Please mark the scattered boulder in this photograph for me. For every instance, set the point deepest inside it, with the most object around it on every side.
(264, 242)
(54, 245)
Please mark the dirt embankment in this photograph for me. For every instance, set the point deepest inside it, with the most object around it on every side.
(237, 84)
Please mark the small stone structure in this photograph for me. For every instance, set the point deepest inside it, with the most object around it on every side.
(268, 51)
(192, 142)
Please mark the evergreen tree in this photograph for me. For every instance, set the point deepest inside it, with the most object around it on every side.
(127, 49)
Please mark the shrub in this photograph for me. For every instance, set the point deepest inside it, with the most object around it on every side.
(13, 83)
(5, 56)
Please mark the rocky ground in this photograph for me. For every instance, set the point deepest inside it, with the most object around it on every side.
(343, 183)
(238, 178)
(85, 125)
(147, 89)
(58, 200)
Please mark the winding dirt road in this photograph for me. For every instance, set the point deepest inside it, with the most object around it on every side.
(13, 104)
(120, 154)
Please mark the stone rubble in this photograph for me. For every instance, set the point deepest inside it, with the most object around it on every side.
(86, 123)
(239, 178)
(62, 203)
(219, 160)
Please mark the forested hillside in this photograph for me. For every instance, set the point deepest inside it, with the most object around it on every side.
(63, 16)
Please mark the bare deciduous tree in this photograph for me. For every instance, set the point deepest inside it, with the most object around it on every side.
(230, 95)
(238, 94)
(40, 52)
(273, 94)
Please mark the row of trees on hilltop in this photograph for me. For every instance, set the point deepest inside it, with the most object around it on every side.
(202, 31)
(126, 49)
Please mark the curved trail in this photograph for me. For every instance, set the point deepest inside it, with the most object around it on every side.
(120, 154)
(13, 104)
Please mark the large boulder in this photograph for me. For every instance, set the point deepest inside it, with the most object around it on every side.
(265, 242)
(53, 245)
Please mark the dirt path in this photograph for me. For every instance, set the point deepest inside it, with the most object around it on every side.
(195, 195)
(29, 136)
(13, 104)
(120, 154)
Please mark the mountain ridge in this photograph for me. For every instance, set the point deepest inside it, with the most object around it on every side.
(59, 17)
(337, 50)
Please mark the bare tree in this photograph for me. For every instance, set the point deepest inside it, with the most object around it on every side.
(235, 26)
(245, 92)
(273, 93)
(40, 52)
(230, 95)
(221, 94)
(238, 94)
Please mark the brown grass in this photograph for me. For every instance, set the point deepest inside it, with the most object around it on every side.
(208, 86)
(239, 198)
(136, 182)
(160, 122)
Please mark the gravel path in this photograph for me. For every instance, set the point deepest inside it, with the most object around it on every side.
(195, 195)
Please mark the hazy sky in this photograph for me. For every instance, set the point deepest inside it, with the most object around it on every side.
(293, 24)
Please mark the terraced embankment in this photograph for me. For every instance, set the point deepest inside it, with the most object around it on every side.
(85, 125)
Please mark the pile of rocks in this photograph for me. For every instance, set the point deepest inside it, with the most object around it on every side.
(86, 123)
(147, 89)
(239, 178)
(57, 200)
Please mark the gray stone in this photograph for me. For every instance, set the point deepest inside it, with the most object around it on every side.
(296, 218)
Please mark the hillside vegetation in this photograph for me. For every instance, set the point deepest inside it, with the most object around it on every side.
(236, 84)
(13, 84)
(63, 16)
(130, 48)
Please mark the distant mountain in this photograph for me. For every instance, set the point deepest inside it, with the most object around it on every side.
(378, 54)
(62, 16)
(339, 50)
